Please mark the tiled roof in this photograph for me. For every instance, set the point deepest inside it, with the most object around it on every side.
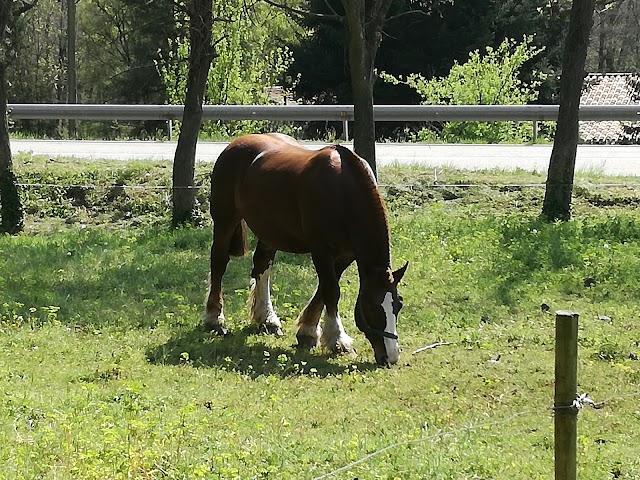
(611, 89)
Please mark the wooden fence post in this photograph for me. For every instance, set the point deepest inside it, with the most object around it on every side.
(566, 389)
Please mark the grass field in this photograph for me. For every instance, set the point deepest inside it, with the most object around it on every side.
(106, 373)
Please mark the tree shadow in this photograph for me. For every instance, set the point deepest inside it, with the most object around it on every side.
(247, 353)
(530, 249)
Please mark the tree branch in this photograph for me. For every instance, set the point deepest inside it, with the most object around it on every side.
(26, 6)
(404, 14)
(379, 14)
(333, 17)
(330, 8)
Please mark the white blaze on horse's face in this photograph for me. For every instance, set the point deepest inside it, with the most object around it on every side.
(391, 344)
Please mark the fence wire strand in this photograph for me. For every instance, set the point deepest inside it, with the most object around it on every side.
(420, 440)
(434, 186)
(469, 428)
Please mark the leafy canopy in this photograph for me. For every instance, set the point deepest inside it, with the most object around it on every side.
(250, 56)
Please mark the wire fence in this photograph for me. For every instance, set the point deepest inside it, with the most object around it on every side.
(567, 404)
(581, 402)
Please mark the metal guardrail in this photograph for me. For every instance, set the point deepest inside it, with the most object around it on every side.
(391, 113)
(307, 113)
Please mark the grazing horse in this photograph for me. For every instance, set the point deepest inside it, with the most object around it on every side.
(297, 200)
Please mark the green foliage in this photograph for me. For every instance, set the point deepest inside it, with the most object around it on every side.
(35, 66)
(117, 41)
(105, 371)
(427, 43)
(136, 33)
(492, 78)
(249, 58)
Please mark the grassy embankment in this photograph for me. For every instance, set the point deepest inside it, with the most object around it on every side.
(106, 373)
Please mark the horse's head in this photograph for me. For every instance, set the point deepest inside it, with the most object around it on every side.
(376, 312)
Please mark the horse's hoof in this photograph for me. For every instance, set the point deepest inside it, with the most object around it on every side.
(219, 330)
(306, 342)
(271, 329)
(341, 345)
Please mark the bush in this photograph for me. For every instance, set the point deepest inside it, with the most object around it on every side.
(489, 79)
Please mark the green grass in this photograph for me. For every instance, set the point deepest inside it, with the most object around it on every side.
(105, 371)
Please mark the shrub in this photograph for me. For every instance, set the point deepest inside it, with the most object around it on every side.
(489, 79)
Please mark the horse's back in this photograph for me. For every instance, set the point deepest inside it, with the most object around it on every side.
(289, 195)
(270, 161)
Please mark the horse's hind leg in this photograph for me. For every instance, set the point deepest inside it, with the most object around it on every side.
(214, 316)
(260, 305)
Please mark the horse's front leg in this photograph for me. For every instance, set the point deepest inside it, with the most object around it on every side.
(308, 322)
(333, 337)
(262, 312)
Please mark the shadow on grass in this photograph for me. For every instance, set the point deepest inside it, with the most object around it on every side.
(245, 353)
(529, 248)
(559, 251)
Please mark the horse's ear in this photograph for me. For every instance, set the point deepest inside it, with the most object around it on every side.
(398, 274)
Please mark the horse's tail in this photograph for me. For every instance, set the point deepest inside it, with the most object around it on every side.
(238, 246)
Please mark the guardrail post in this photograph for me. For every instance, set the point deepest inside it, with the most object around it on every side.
(169, 129)
(535, 131)
(345, 130)
(566, 387)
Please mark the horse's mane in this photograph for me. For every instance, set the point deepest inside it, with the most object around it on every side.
(365, 178)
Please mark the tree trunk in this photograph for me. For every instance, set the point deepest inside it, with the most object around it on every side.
(200, 58)
(559, 185)
(364, 140)
(10, 205)
(364, 35)
(602, 37)
(72, 93)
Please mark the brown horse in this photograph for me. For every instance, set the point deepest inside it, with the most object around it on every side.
(297, 200)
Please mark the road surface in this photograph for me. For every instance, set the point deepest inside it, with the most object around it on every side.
(604, 159)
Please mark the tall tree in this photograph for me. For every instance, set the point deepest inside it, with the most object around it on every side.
(363, 21)
(559, 185)
(10, 205)
(201, 54)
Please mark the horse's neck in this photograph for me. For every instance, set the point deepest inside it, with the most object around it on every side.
(369, 225)
(370, 234)
(370, 257)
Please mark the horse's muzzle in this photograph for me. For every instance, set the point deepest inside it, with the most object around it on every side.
(383, 361)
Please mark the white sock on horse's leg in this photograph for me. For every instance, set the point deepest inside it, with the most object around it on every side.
(262, 312)
(334, 336)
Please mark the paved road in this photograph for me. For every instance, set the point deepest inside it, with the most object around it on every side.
(609, 160)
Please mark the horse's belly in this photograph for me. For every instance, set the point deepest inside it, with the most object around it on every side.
(276, 223)
(278, 235)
